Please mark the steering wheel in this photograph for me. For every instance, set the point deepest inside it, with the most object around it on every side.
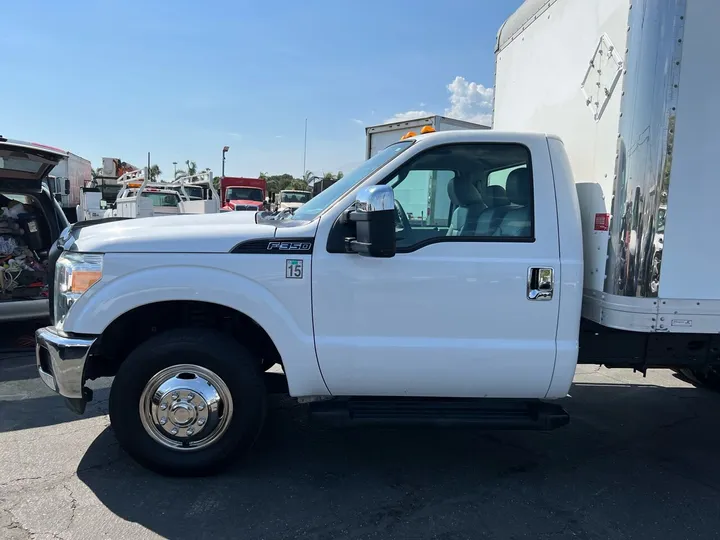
(402, 223)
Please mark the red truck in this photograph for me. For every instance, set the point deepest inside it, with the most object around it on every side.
(239, 193)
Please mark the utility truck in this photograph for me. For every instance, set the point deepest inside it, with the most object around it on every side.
(542, 255)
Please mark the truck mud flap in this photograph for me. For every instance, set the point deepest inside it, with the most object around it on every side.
(479, 413)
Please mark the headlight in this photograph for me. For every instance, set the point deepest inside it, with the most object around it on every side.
(75, 273)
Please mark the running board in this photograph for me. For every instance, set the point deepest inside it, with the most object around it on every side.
(480, 413)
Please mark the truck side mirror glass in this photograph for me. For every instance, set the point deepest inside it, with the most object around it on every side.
(67, 186)
(374, 218)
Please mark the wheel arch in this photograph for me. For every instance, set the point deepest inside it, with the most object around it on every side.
(141, 323)
(196, 295)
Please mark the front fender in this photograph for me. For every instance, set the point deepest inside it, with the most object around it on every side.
(281, 306)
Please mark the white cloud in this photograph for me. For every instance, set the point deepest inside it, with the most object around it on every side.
(470, 101)
(467, 101)
(358, 121)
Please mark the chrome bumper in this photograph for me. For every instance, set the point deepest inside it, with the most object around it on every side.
(61, 364)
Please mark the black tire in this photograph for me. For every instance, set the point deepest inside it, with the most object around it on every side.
(212, 350)
(706, 377)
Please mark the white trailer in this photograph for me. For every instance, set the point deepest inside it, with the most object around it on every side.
(382, 135)
(629, 90)
(66, 179)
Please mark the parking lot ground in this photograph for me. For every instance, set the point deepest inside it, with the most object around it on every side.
(638, 460)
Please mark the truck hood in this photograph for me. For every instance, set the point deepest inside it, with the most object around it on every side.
(185, 233)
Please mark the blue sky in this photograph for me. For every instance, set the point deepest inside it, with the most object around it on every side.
(182, 78)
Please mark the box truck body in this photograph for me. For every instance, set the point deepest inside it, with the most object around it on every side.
(629, 90)
(66, 179)
(382, 135)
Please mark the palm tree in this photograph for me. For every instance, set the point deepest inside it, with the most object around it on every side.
(154, 173)
(191, 167)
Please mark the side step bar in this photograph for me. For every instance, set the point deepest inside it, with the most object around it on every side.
(480, 413)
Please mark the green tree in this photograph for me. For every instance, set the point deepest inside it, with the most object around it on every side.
(154, 173)
(216, 183)
(191, 167)
(297, 183)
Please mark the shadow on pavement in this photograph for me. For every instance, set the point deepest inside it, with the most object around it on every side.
(18, 365)
(635, 462)
(19, 336)
(34, 412)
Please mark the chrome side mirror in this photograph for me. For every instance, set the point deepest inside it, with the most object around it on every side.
(374, 218)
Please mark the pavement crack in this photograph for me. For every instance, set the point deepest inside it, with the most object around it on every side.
(22, 479)
(73, 506)
(15, 524)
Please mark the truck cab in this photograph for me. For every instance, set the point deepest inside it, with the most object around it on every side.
(471, 314)
(244, 194)
(289, 200)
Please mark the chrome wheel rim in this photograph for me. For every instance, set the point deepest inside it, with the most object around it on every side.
(186, 407)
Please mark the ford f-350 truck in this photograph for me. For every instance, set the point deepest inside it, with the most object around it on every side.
(477, 318)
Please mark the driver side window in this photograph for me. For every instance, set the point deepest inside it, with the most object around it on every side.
(448, 192)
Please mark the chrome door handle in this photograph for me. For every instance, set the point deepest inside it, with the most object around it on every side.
(540, 284)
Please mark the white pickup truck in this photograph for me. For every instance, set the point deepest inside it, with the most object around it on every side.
(476, 314)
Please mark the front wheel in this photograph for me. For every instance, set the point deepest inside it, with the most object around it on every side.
(185, 402)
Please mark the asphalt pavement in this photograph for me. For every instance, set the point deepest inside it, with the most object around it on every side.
(638, 460)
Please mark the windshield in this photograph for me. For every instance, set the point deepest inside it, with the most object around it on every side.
(324, 199)
(162, 199)
(243, 194)
(193, 192)
(294, 196)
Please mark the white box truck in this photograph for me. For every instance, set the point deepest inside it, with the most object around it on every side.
(66, 179)
(380, 136)
(629, 90)
(478, 318)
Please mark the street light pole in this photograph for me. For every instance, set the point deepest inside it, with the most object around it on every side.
(225, 149)
(174, 170)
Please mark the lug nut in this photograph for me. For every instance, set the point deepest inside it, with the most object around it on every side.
(174, 395)
(201, 422)
(163, 406)
(174, 431)
(201, 407)
(190, 397)
(163, 420)
(190, 431)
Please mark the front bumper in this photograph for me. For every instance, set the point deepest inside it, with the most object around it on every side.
(61, 365)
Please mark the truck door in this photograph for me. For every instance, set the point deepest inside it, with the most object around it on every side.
(466, 306)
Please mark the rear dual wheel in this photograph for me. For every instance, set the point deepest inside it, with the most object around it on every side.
(186, 402)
